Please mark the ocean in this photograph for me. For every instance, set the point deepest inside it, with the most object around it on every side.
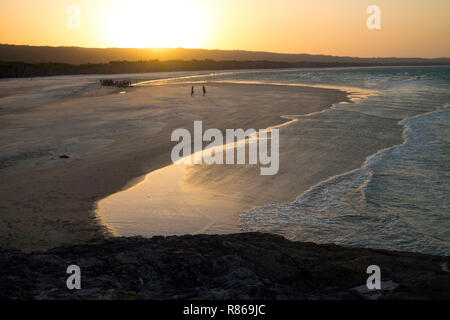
(399, 198)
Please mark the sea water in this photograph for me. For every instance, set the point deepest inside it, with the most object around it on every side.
(399, 199)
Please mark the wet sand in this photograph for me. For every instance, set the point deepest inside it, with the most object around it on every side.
(112, 140)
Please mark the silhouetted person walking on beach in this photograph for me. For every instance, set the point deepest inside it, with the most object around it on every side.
(192, 91)
(204, 90)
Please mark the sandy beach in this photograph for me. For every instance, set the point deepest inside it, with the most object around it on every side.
(112, 139)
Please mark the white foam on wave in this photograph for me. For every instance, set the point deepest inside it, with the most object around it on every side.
(320, 214)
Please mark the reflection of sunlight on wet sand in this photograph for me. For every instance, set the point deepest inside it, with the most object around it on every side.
(162, 204)
(165, 204)
(354, 94)
(176, 80)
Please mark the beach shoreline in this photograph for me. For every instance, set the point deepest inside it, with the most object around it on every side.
(112, 141)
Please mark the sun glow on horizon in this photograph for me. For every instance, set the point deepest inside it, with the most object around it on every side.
(163, 24)
(409, 28)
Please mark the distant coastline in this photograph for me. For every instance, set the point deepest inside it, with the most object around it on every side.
(33, 61)
(27, 70)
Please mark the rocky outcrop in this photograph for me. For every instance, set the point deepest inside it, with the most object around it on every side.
(236, 266)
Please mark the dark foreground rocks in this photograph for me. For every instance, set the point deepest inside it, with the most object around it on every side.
(237, 266)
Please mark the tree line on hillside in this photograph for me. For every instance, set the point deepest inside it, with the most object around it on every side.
(28, 70)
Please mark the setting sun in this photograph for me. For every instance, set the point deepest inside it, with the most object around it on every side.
(287, 26)
(141, 24)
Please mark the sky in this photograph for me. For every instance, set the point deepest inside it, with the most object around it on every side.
(407, 28)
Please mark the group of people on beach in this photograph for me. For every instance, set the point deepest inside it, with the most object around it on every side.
(193, 91)
(115, 83)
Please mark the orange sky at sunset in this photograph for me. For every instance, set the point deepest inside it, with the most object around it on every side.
(409, 28)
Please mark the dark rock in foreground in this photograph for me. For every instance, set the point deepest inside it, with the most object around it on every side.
(237, 266)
